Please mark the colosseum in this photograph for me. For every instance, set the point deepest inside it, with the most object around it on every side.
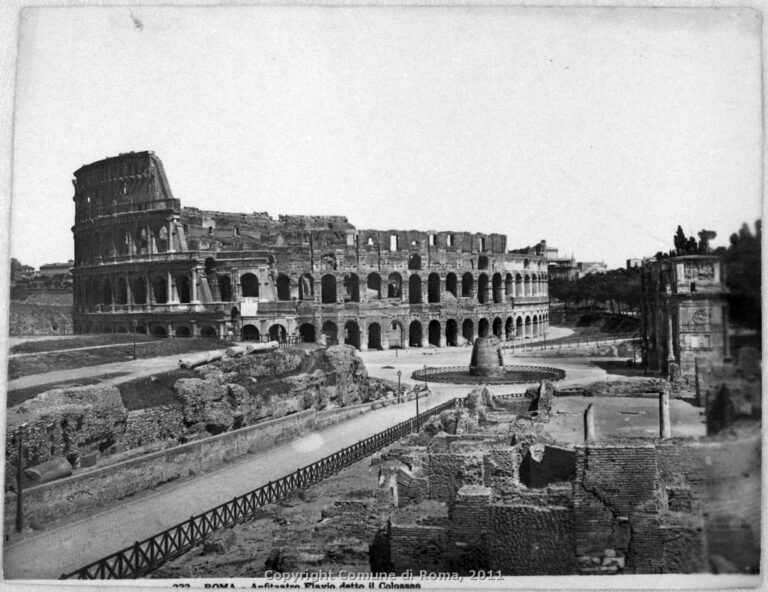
(145, 263)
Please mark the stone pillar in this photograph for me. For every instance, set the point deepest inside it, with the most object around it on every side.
(589, 424)
(665, 426)
(171, 226)
(171, 285)
(151, 246)
(363, 334)
(149, 289)
(317, 293)
(128, 290)
(670, 338)
(193, 295)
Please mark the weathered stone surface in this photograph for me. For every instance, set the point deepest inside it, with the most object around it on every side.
(220, 543)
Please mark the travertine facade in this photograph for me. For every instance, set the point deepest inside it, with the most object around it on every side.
(142, 260)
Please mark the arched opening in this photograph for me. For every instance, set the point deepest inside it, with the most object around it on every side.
(395, 286)
(162, 240)
(277, 333)
(451, 333)
(374, 336)
(106, 292)
(328, 289)
(331, 333)
(433, 288)
(249, 285)
(183, 288)
(121, 296)
(414, 289)
(283, 284)
(414, 334)
(482, 328)
(352, 334)
(433, 333)
(208, 332)
(497, 293)
(307, 332)
(468, 330)
(250, 333)
(351, 288)
(373, 285)
(482, 289)
(527, 287)
(497, 327)
(93, 297)
(527, 327)
(467, 282)
(534, 285)
(396, 336)
(139, 290)
(414, 261)
(509, 285)
(159, 331)
(519, 328)
(183, 331)
(225, 288)
(509, 329)
(160, 289)
(450, 284)
(306, 287)
(535, 323)
(234, 313)
(482, 262)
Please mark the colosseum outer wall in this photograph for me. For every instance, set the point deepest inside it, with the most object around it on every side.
(143, 262)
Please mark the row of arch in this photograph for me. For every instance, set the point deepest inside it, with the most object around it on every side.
(158, 236)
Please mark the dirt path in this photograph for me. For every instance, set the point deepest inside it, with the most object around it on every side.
(48, 554)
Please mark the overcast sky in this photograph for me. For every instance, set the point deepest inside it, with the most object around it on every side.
(599, 130)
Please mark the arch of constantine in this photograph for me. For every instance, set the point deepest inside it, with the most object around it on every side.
(143, 262)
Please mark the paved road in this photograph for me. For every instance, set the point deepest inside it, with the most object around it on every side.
(48, 554)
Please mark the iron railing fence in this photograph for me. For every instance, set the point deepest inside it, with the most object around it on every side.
(145, 556)
(513, 374)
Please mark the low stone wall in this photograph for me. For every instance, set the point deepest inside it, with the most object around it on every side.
(88, 490)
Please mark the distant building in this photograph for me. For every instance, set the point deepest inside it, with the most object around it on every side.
(631, 263)
(685, 315)
(567, 268)
(53, 269)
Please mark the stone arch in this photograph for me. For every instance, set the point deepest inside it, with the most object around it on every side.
(519, 331)
(509, 329)
(414, 261)
(159, 331)
(95, 296)
(160, 289)
(450, 284)
(106, 292)
(483, 328)
(351, 287)
(468, 330)
(414, 289)
(183, 288)
(433, 288)
(225, 287)
(451, 333)
(374, 336)
(249, 285)
(306, 287)
(398, 339)
(395, 286)
(482, 262)
(250, 333)
(509, 285)
(352, 334)
(534, 285)
(331, 333)
(328, 291)
(208, 332)
(527, 326)
(139, 290)
(277, 333)
(307, 332)
(283, 285)
(527, 286)
(433, 333)
(497, 288)
(496, 327)
(373, 285)
(121, 292)
(518, 285)
(162, 240)
(535, 323)
(482, 288)
(414, 334)
(183, 331)
(467, 282)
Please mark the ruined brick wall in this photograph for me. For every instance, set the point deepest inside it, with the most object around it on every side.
(468, 529)
(147, 426)
(447, 472)
(530, 540)
(417, 548)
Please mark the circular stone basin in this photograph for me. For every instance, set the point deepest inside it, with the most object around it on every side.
(508, 375)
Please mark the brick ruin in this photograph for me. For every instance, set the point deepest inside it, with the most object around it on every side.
(486, 488)
(143, 262)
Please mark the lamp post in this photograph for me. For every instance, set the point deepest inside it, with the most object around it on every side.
(399, 374)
